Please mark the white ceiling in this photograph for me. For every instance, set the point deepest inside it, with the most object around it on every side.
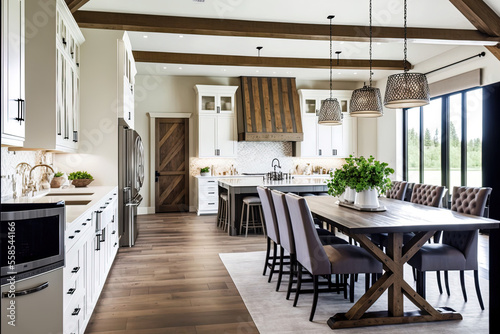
(421, 13)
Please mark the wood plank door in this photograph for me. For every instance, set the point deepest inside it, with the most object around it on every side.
(172, 165)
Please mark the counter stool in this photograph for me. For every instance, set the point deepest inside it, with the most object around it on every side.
(252, 203)
(222, 217)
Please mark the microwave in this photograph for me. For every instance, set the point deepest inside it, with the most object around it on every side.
(31, 239)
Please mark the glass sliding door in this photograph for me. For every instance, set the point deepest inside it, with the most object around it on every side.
(413, 145)
(432, 142)
(474, 137)
(455, 142)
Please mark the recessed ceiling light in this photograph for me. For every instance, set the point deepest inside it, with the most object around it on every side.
(224, 70)
(164, 67)
(145, 36)
(355, 73)
(342, 42)
(338, 72)
(257, 71)
(181, 36)
(274, 72)
(180, 68)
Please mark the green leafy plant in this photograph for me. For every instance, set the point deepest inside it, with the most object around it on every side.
(58, 174)
(205, 170)
(360, 174)
(79, 175)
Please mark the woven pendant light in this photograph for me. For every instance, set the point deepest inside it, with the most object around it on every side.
(367, 101)
(406, 90)
(330, 112)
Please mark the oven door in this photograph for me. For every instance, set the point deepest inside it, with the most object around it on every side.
(32, 238)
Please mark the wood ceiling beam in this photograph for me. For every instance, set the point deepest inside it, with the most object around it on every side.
(480, 15)
(74, 5)
(483, 18)
(225, 60)
(223, 27)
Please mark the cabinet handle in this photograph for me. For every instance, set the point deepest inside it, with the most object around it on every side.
(319, 152)
(77, 231)
(98, 246)
(75, 136)
(218, 109)
(76, 311)
(26, 291)
(129, 115)
(64, 41)
(334, 152)
(20, 110)
(211, 192)
(71, 237)
(75, 270)
(157, 176)
(78, 64)
(115, 244)
(71, 291)
(114, 232)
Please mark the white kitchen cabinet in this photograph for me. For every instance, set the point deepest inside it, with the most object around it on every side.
(53, 79)
(325, 140)
(91, 243)
(208, 195)
(13, 73)
(126, 80)
(217, 136)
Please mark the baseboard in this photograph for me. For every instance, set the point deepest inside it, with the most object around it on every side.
(145, 210)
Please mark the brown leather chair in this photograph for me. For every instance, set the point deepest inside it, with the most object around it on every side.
(320, 260)
(458, 250)
(398, 190)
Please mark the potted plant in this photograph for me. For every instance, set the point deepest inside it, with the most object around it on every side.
(368, 177)
(205, 171)
(80, 179)
(57, 180)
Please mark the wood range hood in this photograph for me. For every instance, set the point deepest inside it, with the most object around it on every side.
(271, 110)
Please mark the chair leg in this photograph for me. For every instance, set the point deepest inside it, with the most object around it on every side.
(242, 215)
(293, 264)
(438, 277)
(367, 282)
(351, 288)
(262, 221)
(462, 282)
(315, 297)
(273, 264)
(421, 283)
(446, 284)
(299, 284)
(267, 255)
(345, 285)
(280, 273)
(248, 217)
(478, 290)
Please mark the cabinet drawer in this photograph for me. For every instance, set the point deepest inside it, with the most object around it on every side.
(208, 205)
(74, 315)
(76, 229)
(209, 182)
(209, 189)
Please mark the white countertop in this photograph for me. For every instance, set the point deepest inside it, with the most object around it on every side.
(69, 194)
(258, 181)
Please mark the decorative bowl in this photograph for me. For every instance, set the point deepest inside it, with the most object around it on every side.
(57, 182)
(81, 182)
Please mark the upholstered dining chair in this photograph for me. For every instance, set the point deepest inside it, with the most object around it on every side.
(287, 241)
(398, 190)
(273, 236)
(458, 250)
(320, 260)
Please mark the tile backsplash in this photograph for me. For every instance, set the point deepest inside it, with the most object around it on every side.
(9, 161)
(256, 157)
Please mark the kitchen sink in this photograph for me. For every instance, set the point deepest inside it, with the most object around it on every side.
(69, 194)
(76, 202)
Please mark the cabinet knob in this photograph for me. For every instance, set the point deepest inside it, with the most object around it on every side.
(76, 311)
(71, 291)
(75, 270)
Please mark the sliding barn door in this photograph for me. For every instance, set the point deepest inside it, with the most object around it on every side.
(172, 165)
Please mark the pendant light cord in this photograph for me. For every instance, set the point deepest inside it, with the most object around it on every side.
(371, 43)
(406, 47)
(331, 56)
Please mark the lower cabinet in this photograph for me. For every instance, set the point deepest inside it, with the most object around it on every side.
(90, 252)
(208, 195)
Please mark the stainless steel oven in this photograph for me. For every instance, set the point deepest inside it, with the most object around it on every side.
(32, 239)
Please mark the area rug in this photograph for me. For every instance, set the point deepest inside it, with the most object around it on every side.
(272, 313)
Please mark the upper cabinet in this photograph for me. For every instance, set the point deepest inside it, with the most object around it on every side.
(217, 135)
(126, 80)
(338, 141)
(13, 69)
(52, 78)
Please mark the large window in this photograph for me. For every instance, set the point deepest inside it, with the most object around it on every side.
(443, 140)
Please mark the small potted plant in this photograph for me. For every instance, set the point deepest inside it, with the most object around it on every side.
(80, 179)
(368, 177)
(57, 180)
(205, 171)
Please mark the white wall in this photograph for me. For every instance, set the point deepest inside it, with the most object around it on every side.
(386, 140)
(98, 148)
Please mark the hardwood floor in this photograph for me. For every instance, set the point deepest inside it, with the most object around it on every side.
(173, 281)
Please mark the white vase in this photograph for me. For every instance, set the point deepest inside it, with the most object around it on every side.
(367, 199)
(349, 195)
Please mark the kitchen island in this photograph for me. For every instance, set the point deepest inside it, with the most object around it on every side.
(237, 188)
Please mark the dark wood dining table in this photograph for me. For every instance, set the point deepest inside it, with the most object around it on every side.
(399, 217)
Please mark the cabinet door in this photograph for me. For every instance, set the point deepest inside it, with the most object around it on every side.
(208, 103)
(15, 107)
(60, 75)
(308, 147)
(324, 140)
(226, 136)
(225, 104)
(337, 149)
(207, 135)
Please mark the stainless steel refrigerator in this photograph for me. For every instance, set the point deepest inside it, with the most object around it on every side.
(130, 180)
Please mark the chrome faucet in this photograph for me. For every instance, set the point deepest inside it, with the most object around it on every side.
(277, 165)
(32, 184)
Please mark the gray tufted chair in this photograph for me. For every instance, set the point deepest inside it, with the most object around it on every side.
(322, 260)
(271, 231)
(398, 190)
(458, 250)
(427, 194)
